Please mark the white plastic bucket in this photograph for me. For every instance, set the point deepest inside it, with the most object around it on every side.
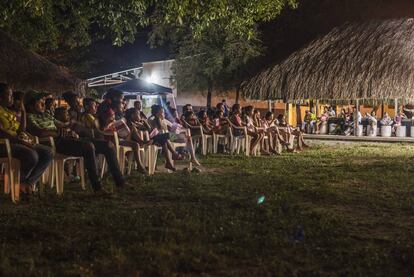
(324, 128)
(386, 131)
(401, 131)
(360, 131)
(371, 132)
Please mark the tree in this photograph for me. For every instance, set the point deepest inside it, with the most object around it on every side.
(46, 25)
(216, 60)
(214, 51)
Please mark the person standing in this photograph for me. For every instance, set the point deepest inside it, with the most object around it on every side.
(226, 108)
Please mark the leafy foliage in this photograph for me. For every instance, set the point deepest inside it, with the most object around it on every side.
(215, 41)
(214, 60)
(49, 24)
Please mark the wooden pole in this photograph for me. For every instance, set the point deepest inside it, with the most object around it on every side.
(396, 106)
(356, 123)
(269, 105)
(289, 113)
(317, 108)
(298, 115)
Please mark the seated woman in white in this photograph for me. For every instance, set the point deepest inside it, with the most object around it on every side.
(387, 120)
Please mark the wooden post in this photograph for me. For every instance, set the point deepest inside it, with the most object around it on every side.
(396, 106)
(289, 114)
(298, 115)
(317, 108)
(269, 105)
(356, 123)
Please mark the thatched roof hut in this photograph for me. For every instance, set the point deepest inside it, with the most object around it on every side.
(24, 69)
(369, 60)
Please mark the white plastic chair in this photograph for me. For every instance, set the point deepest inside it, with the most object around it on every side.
(11, 168)
(216, 140)
(239, 142)
(153, 153)
(203, 138)
(58, 168)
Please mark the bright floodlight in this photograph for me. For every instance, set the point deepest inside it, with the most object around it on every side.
(153, 78)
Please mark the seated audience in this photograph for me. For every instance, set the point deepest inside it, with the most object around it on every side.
(88, 117)
(74, 102)
(137, 126)
(272, 131)
(257, 137)
(386, 120)
(372, 120)
(186, 108)
(50, 106)
(161, 136)
(323, 119)
(108, 126)
(67, 141)
(331, 112)
(178, 133)
(309, 121)
(17, 106)
(34, 158)
(288, 131)
(399, 117)
(205, 122)
(138, 107)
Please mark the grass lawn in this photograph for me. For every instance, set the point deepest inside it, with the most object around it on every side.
(331, 210)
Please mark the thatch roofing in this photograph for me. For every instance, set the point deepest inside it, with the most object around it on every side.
(366, 60)
(24, 69)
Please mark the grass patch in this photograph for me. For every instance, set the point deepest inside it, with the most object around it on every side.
(342, 210)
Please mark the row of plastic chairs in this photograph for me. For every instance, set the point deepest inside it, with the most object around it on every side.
(54, 175)
(236, 138)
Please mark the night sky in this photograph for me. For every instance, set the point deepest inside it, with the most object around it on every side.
(292, 30)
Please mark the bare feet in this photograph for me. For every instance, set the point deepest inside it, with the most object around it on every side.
(196, 162)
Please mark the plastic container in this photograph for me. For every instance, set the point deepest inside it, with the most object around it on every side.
(386, 131)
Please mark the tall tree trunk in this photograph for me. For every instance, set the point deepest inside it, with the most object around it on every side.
(237, 94)
(209, 94)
